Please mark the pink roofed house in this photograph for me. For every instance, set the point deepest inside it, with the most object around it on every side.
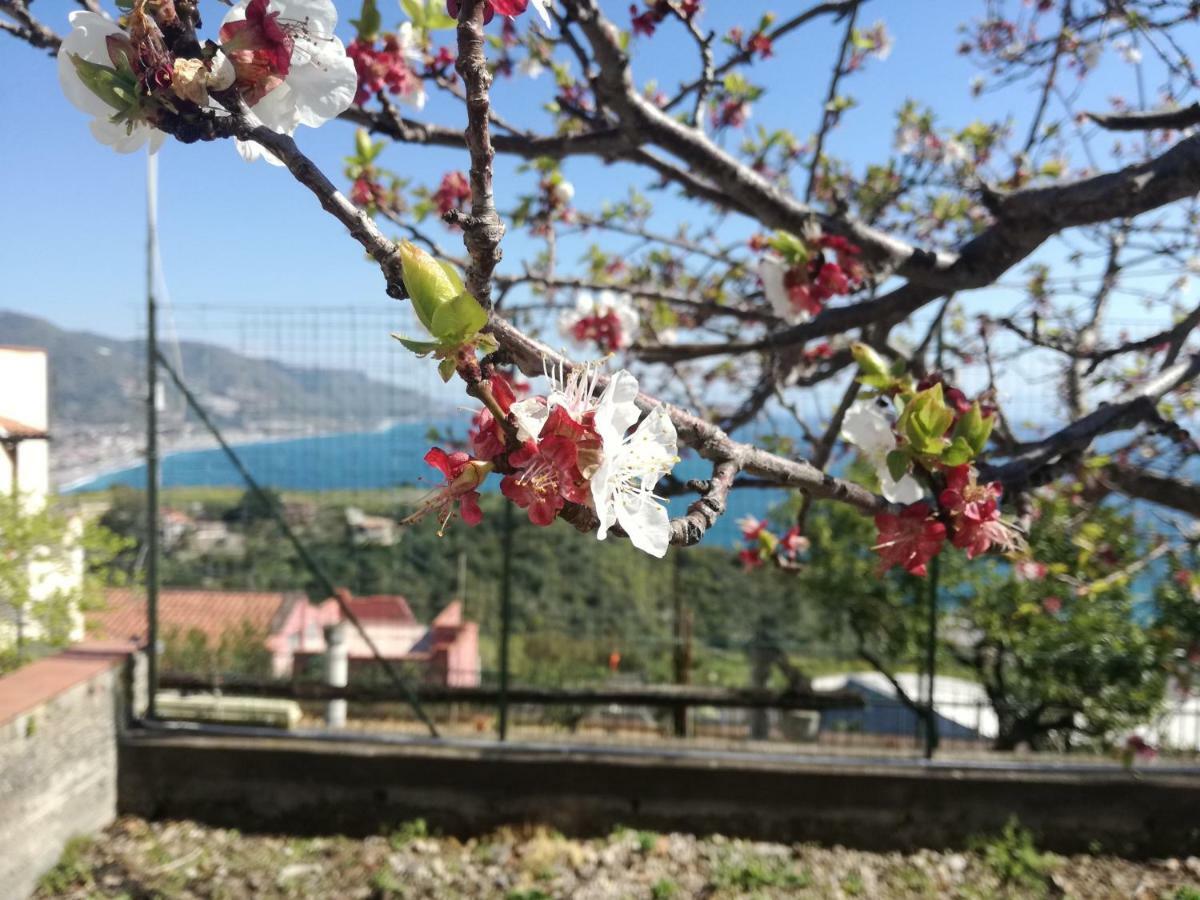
(444, 652)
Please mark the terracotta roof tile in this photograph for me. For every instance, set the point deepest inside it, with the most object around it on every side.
(382, 608)
(212, 612)
(11, 428)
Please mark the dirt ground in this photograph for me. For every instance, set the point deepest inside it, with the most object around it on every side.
(137, 859)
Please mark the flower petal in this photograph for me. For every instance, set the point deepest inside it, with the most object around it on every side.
(646, 522)
(319, 17)
(906, 490)
(531, 414)
(322, 81)
(617, 409)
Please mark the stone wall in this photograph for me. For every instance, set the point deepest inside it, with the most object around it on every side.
(319, 786)
(59, 722)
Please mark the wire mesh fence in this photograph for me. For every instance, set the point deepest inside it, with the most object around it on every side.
(606, 645)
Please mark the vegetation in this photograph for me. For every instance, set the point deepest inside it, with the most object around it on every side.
(1014, 859)
(242, 652)
(1063, 644)
(565, 627)
(52, 569)
(1070, 647)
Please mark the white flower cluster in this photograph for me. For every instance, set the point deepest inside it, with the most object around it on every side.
(622, 487)
(319, 83)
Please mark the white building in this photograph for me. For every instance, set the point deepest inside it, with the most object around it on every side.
(24, 420)
(25, 473)
(963, 709)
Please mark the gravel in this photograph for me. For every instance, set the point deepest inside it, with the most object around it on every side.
(136, 859)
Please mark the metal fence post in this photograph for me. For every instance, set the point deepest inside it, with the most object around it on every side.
(682, 657)
(505, 619)
(931, 729)
(151, 438)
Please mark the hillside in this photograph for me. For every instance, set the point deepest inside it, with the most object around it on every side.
(97, 381)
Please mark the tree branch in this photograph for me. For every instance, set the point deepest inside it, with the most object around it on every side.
(1183, 117)
(483, 230)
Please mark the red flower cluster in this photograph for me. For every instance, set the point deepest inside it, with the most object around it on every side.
(382, 68)
(762, 544)
(486, 437)
(732, 113)
(832, 271)
(1137, 746)
(260, 49)
(547, 470)
(974, 512)
(368, 193)
(646, 21)
(909, 540)
(603, 330)
(452, 193)
(758, 43)
(955, 398)
(504, 7)
(460, 486)
(823, 350)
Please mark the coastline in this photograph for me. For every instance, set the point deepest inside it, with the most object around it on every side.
(70, 480)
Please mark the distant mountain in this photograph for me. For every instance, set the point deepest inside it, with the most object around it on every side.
(95, 380)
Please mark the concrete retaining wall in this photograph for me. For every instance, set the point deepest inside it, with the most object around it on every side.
(309, 786)
(59, 721)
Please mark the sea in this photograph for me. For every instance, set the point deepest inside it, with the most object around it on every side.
(374, 460)
(364, 461)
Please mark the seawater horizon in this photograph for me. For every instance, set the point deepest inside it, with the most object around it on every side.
(375, 460)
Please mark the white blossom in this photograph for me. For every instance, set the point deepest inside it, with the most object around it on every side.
(88, 40)
(954, 152)
(576, 391)
(1129, 52)
(564, 193)
(623, 486)
(321, 80)
(867, 428)
(531, 66)
(771, 270)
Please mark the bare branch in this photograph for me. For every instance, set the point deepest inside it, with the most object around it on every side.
(829, 115)
(28, 28)
(1173, 493)
(483, 230)
(837, 9)
(1135, 407)
(1184, 117)
(1025, 220)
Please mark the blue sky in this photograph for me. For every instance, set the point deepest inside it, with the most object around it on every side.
(234, 234)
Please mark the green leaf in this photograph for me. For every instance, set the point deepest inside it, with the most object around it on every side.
(974, 428)
(957, 453)
(790, 247)
(879, 382)
(446, 368)
(421, 348)
(457, 320)
(427, 282)
(362, 144)
(454, 276)
(428, 14)
(107, 84)
(897, 464)
(415, 10)
(368, 21)
(870, 362)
